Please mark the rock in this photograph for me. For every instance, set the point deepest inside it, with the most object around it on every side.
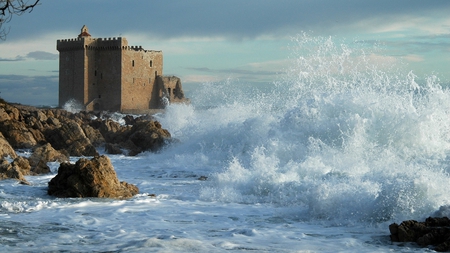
(4, 115)
(40, 116)
(53, 121)
(203, 178)
(26, 127)
(40, 168)
(38, 135)
(434, 231)
(113, 149)
(90, 178)
(112, 131)
(129, 120)
(71, 137)
(94, 135)
(44, 154)
(149, 135)
(48, 154)
(22, 165)
(5, 148)
(17, 134)
(15, 170)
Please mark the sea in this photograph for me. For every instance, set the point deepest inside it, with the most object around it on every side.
(345, 142)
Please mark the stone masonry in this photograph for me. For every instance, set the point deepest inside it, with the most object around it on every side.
(105, 74)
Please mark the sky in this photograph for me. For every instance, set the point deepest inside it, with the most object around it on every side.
(207, 41)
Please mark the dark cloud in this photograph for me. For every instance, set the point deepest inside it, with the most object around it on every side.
(234, 19)
(36, 55)
(17, 58)
(29, 90)
(41, 55)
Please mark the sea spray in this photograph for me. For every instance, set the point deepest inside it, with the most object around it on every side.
(73, 106)
(346, 135)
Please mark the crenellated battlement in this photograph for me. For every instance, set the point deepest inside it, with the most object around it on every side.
(89, 43)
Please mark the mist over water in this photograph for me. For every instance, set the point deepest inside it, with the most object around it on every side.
(345, 135)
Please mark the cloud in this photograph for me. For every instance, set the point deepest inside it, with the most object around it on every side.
(17, 58)
(234, 71)
(29, 90)
(36, 55)
(232, 19)
(199, 79)
(41, 55)
(413, 58)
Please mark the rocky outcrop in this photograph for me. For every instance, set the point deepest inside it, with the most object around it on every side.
(47, 153)
(71, 137)
(5, 148)
(433, 231)
(90, 178)
(56, 134)
(144, 135)
(17, 169)
(79, 133)
(149, 135)
(7, 171)
(17, 134)
(44, 154)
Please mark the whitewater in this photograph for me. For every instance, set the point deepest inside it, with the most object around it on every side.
(343, 144)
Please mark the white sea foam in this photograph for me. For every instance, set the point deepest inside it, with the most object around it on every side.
(73, 106)
(323, 160)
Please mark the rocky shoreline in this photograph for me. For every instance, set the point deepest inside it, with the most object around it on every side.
(56, 134)
(434, 231)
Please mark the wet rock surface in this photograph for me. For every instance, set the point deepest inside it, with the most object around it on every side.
(90, 178)
(434, 232)
(54, 135)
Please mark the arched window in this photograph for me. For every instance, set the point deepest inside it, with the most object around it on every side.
(151, 64)
(132, 63)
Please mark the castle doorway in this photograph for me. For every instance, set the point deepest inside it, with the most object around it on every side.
(96, 107)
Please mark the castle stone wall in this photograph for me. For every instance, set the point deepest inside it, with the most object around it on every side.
(108, 74)
(139, 71)
(71, 71)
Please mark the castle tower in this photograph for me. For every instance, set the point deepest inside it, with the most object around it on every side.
(107, 74)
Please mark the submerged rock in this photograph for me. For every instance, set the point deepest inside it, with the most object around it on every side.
(434, 231)
(90, 178)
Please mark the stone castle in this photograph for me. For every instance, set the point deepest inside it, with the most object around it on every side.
(105, 74)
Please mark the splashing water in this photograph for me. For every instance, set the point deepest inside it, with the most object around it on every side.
(73, 106)
(323, 160)
(345, 135)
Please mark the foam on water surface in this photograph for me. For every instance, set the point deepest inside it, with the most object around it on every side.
(322, 160)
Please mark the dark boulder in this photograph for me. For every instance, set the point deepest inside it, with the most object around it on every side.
(113, 149)
(90, 178)
(149, 135)
(433, 231)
